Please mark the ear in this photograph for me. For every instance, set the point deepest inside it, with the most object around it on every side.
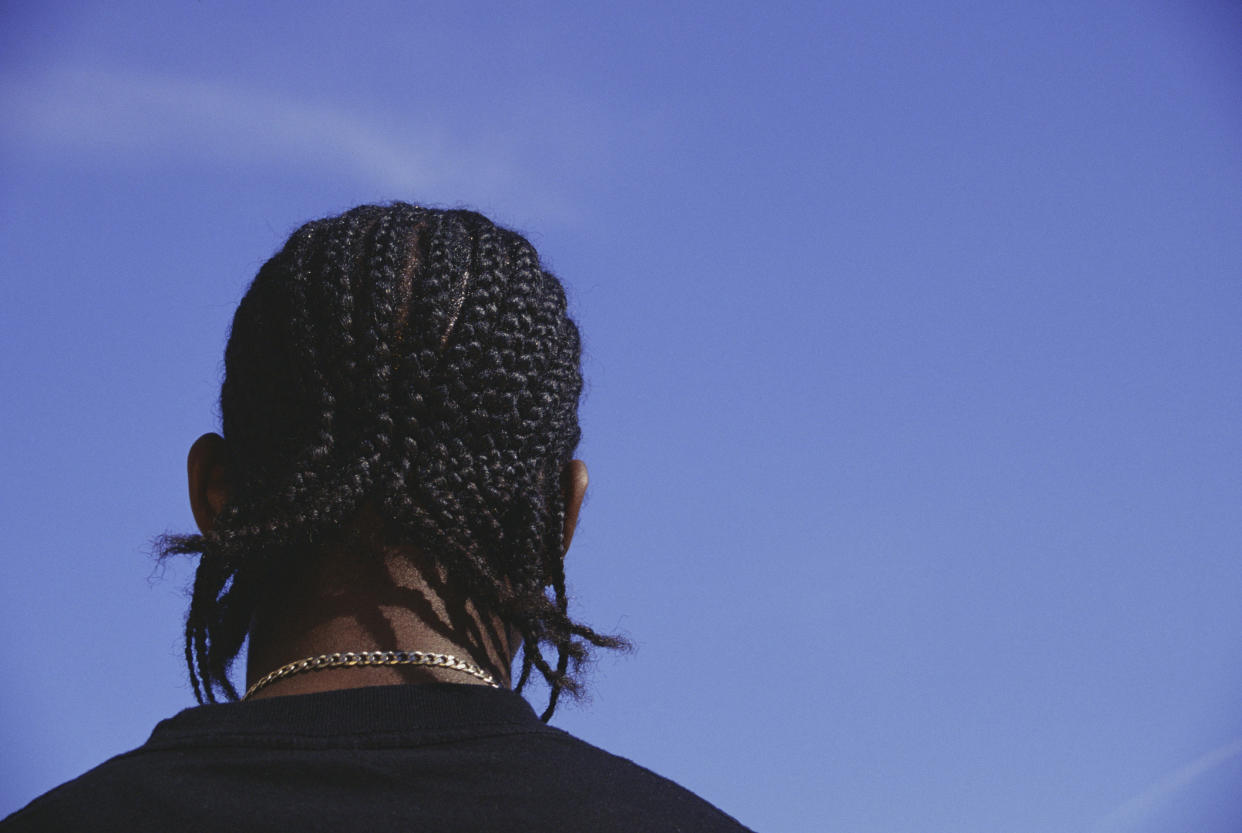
(207, 467)
(573, 487)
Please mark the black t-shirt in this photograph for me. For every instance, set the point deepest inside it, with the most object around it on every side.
(409, 757)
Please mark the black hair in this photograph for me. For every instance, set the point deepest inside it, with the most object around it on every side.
(419, 360)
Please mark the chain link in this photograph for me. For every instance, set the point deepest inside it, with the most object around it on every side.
(350, 659)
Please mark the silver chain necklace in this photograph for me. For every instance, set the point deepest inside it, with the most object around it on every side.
(354, 659)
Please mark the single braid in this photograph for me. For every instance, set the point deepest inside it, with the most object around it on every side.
(421, 360)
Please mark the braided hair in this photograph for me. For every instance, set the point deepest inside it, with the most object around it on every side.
(421, 361)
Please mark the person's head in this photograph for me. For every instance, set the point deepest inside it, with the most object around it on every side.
(417, 364)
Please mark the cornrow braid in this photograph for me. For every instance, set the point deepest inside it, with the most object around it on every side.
(419, 359)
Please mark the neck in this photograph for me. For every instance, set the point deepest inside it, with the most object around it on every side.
(397, 601)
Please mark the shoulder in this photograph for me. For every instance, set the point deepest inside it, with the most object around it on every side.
(615, 792)
(108, 797)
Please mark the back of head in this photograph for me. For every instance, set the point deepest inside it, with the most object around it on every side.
(419, 363)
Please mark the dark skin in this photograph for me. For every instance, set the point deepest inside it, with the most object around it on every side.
(364, 596)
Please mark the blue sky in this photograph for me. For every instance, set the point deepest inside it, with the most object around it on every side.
(912, 346)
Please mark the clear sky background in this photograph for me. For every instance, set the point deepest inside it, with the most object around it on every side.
(913, 351)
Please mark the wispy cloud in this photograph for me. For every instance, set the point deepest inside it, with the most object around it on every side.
(1136, 809)
(151, 116)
